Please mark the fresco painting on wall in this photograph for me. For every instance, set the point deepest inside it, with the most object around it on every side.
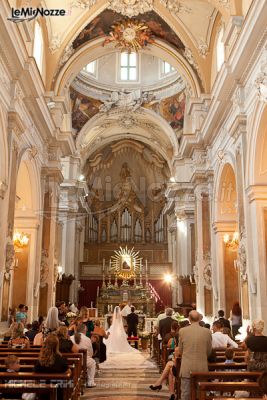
(83, 109)
(171, 109)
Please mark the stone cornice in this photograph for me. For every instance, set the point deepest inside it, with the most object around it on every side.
(224, 226)
(15, 123)
(257, 193)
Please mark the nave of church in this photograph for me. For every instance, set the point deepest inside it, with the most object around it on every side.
(133, 160)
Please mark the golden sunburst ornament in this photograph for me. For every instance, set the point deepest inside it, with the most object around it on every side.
(126, 263)
(129, 35)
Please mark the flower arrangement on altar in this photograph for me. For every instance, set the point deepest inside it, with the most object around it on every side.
(129, 35)
(144, 335)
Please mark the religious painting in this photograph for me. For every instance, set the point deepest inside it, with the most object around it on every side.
(83, 109)
(102, 25)
(171, 109)
(126, 262)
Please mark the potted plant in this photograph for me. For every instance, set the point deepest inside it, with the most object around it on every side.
(145, 336)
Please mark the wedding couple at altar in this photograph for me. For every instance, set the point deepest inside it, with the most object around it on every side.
(120, 354)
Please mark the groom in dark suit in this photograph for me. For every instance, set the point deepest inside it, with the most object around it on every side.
(132, 322)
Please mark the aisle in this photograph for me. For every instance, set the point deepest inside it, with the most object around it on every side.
(125, 384)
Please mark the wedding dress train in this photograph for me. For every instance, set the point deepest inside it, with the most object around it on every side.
(120, 355)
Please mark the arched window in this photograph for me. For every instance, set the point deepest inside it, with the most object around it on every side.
(38, 46)
(220, 50)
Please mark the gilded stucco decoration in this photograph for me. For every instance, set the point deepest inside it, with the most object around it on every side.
(131, 8)
(129, 35)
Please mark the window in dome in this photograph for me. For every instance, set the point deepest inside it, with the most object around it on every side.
(90, 68)
(220, 50)
(128, 67)
(38, 46)
(166, 68)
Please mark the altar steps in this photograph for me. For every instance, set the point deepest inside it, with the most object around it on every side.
(126, 384)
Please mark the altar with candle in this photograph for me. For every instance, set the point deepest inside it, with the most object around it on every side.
(125, 279)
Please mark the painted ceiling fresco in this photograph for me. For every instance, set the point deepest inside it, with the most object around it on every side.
(101, 26)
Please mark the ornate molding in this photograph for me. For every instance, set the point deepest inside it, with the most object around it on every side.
(3, 189)
(44, 268)
(203, 48)
(15, 123)
(82, 3)
(55, 42)
(261, 84)
(175, 7)
(131, 8)
(10, 254)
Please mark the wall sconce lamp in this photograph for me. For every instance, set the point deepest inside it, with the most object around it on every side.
(231, 242)
(20, 239)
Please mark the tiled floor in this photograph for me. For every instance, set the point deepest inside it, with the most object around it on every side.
(126, 384)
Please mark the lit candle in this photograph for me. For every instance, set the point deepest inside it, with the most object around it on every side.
(146, 266)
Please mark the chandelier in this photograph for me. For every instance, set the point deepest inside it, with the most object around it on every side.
(231, 242)
(129, 35)
(20, 239)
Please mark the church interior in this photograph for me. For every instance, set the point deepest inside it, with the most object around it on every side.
(133, 157)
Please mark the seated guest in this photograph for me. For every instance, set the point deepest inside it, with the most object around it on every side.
(32, 332)
(229, 356)
(171, 338)
(263, 384)
(52, 322)
(65, 344)
(166, 323)
(84, 342)
(222, 320)
(21, 315)
(219, 339)
(62, 312)
(227, 331)
(73, 325)
(50, 360)
(96, 348)
(167, 375)
(256, 346)
(84, 315)
(8, 333)
(98, 330)
(13, 365)
(18, 339)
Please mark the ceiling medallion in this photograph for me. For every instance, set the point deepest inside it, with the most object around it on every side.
(129, 35)
(131, 8)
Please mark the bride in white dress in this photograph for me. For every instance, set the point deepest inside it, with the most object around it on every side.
(119, 353)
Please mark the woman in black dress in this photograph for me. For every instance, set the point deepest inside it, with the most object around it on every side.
(65, 344)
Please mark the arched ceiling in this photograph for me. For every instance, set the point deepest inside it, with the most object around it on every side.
(192, 21)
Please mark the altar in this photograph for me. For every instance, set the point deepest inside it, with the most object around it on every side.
(123, 282)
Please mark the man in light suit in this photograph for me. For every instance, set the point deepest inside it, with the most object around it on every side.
(195, 345)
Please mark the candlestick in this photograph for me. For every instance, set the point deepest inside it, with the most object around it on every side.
(103, 268)
(97, 291)
(146, 265)
(91, 304)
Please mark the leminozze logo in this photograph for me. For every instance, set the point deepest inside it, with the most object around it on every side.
(29, 13)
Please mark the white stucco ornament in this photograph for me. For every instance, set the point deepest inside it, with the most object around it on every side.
(131, 8)
(261, 85)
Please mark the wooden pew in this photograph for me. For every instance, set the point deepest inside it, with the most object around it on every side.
(74, 360)
(63, 380)
(221, 387)
(225, 376)
(14, 388)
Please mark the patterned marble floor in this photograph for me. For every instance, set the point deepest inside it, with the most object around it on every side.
(126, 385)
